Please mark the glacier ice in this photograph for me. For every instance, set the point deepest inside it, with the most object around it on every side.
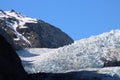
(86, 53)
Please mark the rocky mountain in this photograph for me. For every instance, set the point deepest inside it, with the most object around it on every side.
(44, 58)
(31, 33)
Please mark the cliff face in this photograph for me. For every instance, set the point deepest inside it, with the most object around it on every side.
(10, 64)
(27, 32)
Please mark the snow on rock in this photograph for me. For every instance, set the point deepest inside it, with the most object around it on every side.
(2, 13)
(16, 20)
(92, 52)
(22, 19)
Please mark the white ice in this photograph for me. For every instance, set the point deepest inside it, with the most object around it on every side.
(86, 53)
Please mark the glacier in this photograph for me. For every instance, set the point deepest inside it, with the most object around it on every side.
(89, 54)
(86, 53)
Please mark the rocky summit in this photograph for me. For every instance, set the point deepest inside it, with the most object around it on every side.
(32, 33)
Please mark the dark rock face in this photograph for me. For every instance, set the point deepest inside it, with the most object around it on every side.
(10, 64)
(7, 37)
(82, 75)
(42, 34)
(111, 63)
(8, 33)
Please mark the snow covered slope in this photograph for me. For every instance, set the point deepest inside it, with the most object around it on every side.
(92, 52)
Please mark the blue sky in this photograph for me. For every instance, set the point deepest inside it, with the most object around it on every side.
(78, 18)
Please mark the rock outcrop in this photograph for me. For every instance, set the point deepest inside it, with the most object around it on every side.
(10, 64)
